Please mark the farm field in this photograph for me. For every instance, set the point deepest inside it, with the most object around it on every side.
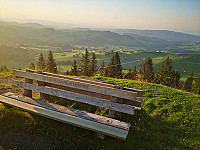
(183, 62)
(169, 120)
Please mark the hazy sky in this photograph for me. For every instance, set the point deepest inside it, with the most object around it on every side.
(178, 15)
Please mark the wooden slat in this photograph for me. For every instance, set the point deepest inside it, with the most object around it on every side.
(77, 97)
(79, 85)
(66, 118)
(139, 92)
(137, 104)
(28, 92)
(74, 112)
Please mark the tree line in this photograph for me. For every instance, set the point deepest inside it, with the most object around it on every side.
(165, 75)
(48, 65)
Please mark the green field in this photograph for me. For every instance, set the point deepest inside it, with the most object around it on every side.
(24, 54)
(185, 63)
(169, 120)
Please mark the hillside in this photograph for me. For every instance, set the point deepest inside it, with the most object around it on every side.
(162, 34)
(14, 57)
(15, 33)
(169, 120)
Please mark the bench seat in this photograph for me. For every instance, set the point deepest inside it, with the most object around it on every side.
(105, 125)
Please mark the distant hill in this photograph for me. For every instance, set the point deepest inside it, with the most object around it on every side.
(14, 57)
(15, 33)
(162, 34)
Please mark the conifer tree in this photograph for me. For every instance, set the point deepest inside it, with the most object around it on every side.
(102, 69)
(93, 67)
(51, 64)
(128, 75)
(118, 66)
(165, 72)
(188, 83)
(111, 67)
(32, 66)
(106, 72)
(134, 73)
(67, 72)
(74, 69)
(41, 64)
(175, 79)
(196, 85)
(85, 64)
(148, 71)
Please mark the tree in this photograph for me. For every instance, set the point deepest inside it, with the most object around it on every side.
(128, 75)
(93, 67)
(67, 72)
(102, 69)
(165, 72)
(111, 67)
(85, 64)
(32, 66)
(148, 71)
(115, 67)
(74, 69)
(175, 79)
(188, 83)
(51, 64)
(196, 85)
(118, 66)
(41, 65)
(134, 73)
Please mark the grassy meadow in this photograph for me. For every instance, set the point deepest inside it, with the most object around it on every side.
(169, 120)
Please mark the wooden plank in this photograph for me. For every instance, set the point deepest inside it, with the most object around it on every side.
(79, 85)
(139, 92)
(42, 95)
(137, 104)
(74, 112)
(112, 113)
(26, 91)
(77, 97)
(66, 118)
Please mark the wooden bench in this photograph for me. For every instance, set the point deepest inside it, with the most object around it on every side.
(117, 99)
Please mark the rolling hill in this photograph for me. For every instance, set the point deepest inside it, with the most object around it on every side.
(14, 57)
(15, 33)
(162, 34)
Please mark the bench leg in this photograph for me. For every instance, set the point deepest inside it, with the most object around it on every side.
(28, 93)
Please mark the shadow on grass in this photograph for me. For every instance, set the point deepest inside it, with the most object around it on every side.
(146, 132)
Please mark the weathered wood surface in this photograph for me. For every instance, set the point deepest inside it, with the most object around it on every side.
(42, 95)
(139, 92)
(26, 91)
(137, 104)
(77, 97)
(77, 84)
(61, 113)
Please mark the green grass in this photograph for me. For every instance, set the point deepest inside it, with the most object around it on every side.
(6, 74)
(169, 120)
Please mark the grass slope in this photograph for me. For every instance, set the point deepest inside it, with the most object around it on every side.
(14, 57)
(169, 120)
